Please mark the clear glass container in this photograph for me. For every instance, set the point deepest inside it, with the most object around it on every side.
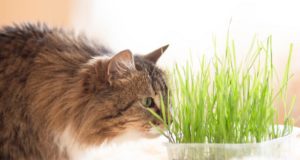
(285, 148)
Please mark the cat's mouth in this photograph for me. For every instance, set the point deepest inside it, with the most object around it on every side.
(153, 132)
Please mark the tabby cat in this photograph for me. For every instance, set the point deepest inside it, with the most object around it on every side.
(59, 91)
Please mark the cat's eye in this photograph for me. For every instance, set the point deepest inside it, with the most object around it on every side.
(148, 102)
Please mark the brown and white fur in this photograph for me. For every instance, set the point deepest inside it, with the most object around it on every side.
(61, 94)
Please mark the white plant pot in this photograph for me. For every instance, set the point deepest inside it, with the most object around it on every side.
(285, 148)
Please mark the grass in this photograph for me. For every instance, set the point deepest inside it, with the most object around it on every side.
(227, 102)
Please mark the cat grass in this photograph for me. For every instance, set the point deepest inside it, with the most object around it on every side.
(223, 101)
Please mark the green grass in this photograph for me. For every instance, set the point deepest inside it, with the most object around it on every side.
(227, 102)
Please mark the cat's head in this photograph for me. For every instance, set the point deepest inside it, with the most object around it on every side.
(117, 92)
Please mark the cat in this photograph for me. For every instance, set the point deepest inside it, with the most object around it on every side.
(59, 91)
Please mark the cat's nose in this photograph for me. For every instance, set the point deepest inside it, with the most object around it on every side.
(156, 122)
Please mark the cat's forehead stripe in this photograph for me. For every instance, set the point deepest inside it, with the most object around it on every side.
(158, 83)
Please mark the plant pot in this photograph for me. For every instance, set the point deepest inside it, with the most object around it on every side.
(286, 147)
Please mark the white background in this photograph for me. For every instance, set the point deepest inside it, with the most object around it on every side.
(189, 26)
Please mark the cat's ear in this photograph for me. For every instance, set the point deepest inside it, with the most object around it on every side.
(154, 55)
(120, 65)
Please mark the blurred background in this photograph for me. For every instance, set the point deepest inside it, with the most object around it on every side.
(188, 26)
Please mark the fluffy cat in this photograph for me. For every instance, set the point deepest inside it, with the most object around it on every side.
(59, 91)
